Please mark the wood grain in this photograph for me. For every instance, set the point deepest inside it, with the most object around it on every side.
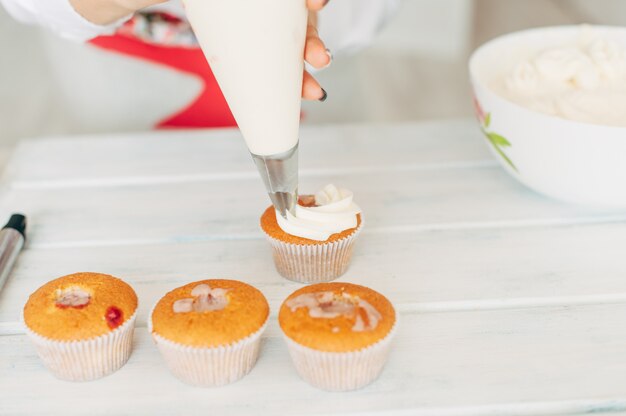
(511, 303)
(203, 155)
(482, 362)
(427, 271)
(221, 210)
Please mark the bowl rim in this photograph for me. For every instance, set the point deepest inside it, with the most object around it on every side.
(475, 79)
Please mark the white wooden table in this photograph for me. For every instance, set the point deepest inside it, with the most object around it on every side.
(511, 303)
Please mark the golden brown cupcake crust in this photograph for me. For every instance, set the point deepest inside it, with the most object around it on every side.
(269, 224)
(111, 303)
(335, 334)
(246, 312)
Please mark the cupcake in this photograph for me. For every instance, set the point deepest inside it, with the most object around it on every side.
(338, 334)
(209, 331)
(82, 325)
(316, 244)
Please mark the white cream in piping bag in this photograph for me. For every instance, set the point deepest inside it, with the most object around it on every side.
(255, 49)
(582, 81)
(335, 212)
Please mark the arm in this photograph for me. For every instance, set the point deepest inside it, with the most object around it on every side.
(109, 11)
(78, 20)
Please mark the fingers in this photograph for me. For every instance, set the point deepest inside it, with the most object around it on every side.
(315, 52)
(311, 89)
(316, 5)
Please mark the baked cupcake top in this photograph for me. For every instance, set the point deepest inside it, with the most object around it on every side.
(210, 313)
(79, 306)
(336, 317)
(325, 217)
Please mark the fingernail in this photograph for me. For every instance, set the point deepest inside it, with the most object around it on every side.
(330, 58)
(324, 95)
(326, 2)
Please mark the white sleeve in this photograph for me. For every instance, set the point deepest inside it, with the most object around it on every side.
(349, 25)
(58, 16)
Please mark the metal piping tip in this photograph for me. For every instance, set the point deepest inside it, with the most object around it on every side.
(280, 176)
(284, 202)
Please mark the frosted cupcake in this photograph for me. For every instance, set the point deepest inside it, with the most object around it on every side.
(338, 334)
(316, 244)
(209, 331)
(82, 325)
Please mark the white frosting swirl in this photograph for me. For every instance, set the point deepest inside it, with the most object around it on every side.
(583, 81)
(334, 212)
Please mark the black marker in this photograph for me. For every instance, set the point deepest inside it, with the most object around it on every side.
(12, 237)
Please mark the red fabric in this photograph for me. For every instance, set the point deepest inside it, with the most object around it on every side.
(208, 110)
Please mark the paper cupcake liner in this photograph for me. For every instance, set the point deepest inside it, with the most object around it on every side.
(341, 371)
(313, 263)
(86, 360)
(210, 366)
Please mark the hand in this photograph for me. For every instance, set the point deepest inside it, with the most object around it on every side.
(104, 12)
(315, 53)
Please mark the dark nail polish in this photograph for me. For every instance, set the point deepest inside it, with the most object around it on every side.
(324, 96)
(326, 2)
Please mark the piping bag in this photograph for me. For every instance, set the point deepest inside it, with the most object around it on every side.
(256, 49)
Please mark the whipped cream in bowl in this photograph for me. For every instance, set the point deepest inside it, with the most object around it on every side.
(582, 80)
(551, 104)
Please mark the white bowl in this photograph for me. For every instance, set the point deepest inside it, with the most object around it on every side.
(569, 160)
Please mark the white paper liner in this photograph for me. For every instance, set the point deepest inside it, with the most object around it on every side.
(341, 371)
(313, 263)
(209, 366)
(89, 359)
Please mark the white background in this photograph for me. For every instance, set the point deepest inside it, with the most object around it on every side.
(415, 70)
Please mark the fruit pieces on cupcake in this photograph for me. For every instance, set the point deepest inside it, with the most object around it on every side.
(209, 331)
(203, 299)
(338, 334)
(82, 318)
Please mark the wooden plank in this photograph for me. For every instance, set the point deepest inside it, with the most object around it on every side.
(431, 271)
(509, 306)
(393, 202)
(537, 361)
(200, 155)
